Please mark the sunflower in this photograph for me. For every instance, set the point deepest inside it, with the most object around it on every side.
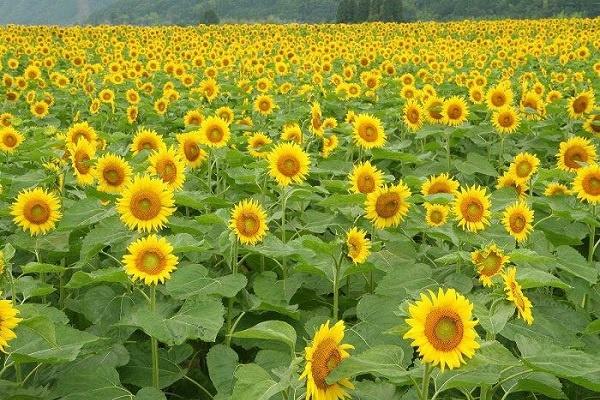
(264, 104)
(146, 204)
(442, 329)
(524, 166)
(413, 115)
(288, 163)
(329, 144)
(10, 139)
(39, 109)
(168, 165)
(249, 222)
(209, 89)
(489, 262)
(506, 120)
(8, 322)
(387, 206)
(146, 139)
(454, 111)
(433, 108)
(226, 114)
(587, 183)
(365, 178)
(532, 105)
(257, 143)
(574, 153)
(359, 246)
(189, 148)
(292, 133)
(439, 184)
(499, 97)
(436, 214)
(193, 118)
(581, 104)
(592, 123)
(81, 155)
(472, 208)
(515, 295)
(316, 119)
(517, 219)
(509, 181)
(113, 173)
(150, 259)
(36, 210)
(557, 189)
(214, 132)
(368, 131)
(322, 356)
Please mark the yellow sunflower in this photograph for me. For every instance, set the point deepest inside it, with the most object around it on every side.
(442, 183)
(214, 132)
(264, 104)
(226, 114)
(413, 115)
(39, 109)
(8, 322)
(592, 123)
(10, 139)
(292, 133)
(575, 153)
(506, 120)
(288, 164)
(472, 208)
(455, 111)
(587, 183)
(524, 166)
(359, 246)
(167, 165)
(498, 97)
(365, 178)
(81, 155)
(113, 173)
(249, 222)
(557, 189)
(146, 139)
(433, 107)
(146, 204)
(329, 145)
(189, 148)
(193, 118)
(515, 295)
(387, 206)
(150, 259)
(436, 214)
(517, 219)
(322, 356)
(368, 132)
(442, 329)
(508, 181)
(79, 131)
(36, 211)
(489, 262)
(257, 143)
(581, 104)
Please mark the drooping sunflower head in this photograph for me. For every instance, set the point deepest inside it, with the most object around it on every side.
(442, 329)
(189, 148)
(264, 104)
(257, 144)
(587, 183)
(214, 132)
(150, 259)
(532, 105)
(330, 143)
(581, 104)
(36, 211)
(368, 132)
(387, 206)
(436, 214)
(168, 165)
(472, 208)
(365, 178)
(506, 180)
(575, 153)
(514, 293)
(455, 111)
(442, 183)
(517, 220)
(81, 131)
(557, 189)
(506, 120)
(524, 166)
(292, 133)
(8, 322)
(359, 246)
(146, 139)
(413, 115)
(146, 204)
(489, 262)
(322, 356)
(82, 155)
(249, 222)
(10, 139)
(113, 173)
(288, 164)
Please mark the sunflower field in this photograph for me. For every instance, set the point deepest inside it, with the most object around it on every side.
(321, 212)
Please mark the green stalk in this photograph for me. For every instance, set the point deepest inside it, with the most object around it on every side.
(283, 238)
(209, 171)
(154, 343)
(425, 383)
(234, 268)
(448, 151)
(592, 234)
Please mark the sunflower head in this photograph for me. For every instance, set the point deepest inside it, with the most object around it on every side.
(368, 131)
(387, 206)
(214, 132)
(557, 189)
(113, 173)
(36, 211)
(146, 139)
(10, 139)
(414, 115)
(581, 104)
(523, 167)
(587, 183)
(330, 143)
(489, 262)
(575, 153)
(514, 293)
(288, 164)
(292, 133)
(506, 120)
(359, 246)
(257, 143)
(189, 149)
(249, 222)
(455, 111)
(8, 323)
(82, 155)
(442, 183)
(168, 165)
(436, 214)
(365, 178)
(517, 220)
(150, 259)
(472, 208)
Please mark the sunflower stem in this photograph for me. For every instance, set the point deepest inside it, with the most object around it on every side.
(591, 246)
(448, 151)
(425, 383)
(283, 239)
(154, 343)
(209, 171)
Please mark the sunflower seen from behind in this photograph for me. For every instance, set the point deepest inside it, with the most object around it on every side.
(249, 222)
(8, 322)
(146, 204)
(323, 355)
(359, 246)
(472, 208)
(388, 205)
(113, 173)
(288, 164)
(150, 259)
(514, 294)
(36, 210)
(489, 262)
(442, 328)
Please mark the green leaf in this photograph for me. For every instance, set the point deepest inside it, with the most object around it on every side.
(571, 261)
(150, 393)
(222, 362)
(35, 267)
(593, 328)
(386, 361)
(532, 278)
(270, 330)
(252, 383)
(83, 212)
(185, 243)
(343, 200)
(192, 280)
(107, 233)
(113, 275)
(494, 320)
